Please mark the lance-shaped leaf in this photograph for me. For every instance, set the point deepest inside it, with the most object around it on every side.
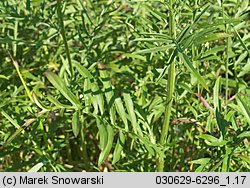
(59, 84)
(39, 103)
(131, 111)
(212, 141)
(154, 49)
(37, 167)
(105, 152)
(12, 121)
(191, 68)
(75, 123)
(119, 147)
(121, 111)
(244, 108)
(18, 131)
(57, 103)
(97, 97)
(210, 37)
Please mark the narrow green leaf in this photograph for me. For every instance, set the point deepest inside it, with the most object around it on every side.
(147, 145)
(159, 15)
(76, 124)
(188, 28)
(163, 40)
(209, 124)
(211, 37)
(213, 51)
(131, 111)
(190, 67)
(103, 135)
(217, 23)
(104, 153)
(216, 94)
(212, 141)
(221, 122)
(121, 111)
(4, 77)
(57, 103)
(200, 168)
(12, 121)
(155, 49)
(87, 94)
(157, 35)
(245, 158)
(18, 131)
(65, 64)
(240, 39)
(241, 59)
(21, 78)
(136, 56)
(36, 168)
(82, 70)
(244, 108)
(38, 103)
(226, 161)
(200, 161)
(59, 84)
(186, 87)
(97, 97)
(109, 94)
(119, 147)
(244, 134)
(170, 60)
(246, 69)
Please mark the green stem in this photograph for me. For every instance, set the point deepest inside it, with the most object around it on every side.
(170, 90)
(21, 78)
(60, 18)
(227, 56)
(15, 38)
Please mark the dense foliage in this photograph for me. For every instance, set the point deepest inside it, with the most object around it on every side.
(124, 85)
